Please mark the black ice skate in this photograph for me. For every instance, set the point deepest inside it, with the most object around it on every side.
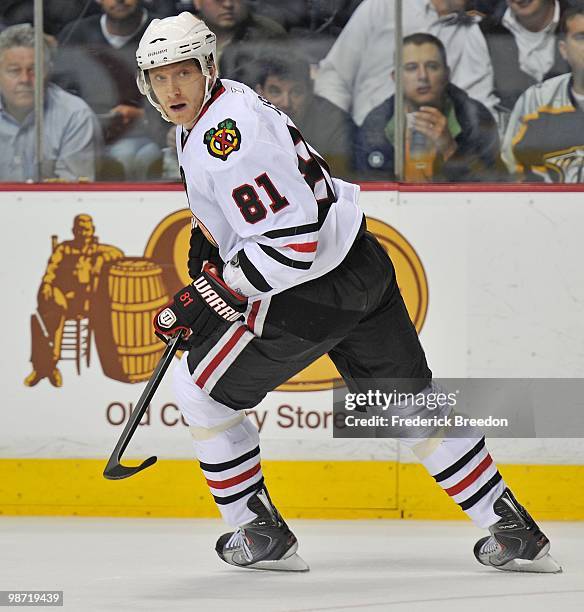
(265, 543)
(516, 543)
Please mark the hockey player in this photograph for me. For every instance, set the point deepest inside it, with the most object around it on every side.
(284, 271)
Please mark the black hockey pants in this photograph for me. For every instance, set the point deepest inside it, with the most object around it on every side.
(355, 313)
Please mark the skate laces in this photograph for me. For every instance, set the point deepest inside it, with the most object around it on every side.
(239, 540)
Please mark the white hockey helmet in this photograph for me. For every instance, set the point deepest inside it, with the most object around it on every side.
(172, 40)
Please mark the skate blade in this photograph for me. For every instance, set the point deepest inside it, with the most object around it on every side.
(293, 563)
(290, 562)
(544, 565)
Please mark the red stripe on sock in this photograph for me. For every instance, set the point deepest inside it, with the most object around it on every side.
(220, 356)
(225, 484)
(465, 482)
(303, 247)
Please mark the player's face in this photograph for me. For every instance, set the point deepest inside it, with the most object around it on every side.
(572, 47)
(425, 75)
(221, 14)
(17, 79)
(288, 95)
(180, 89)
(119, 9)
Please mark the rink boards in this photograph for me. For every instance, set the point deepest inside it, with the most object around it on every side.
(491, 278)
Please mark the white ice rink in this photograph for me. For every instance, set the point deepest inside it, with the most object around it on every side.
(369, 566)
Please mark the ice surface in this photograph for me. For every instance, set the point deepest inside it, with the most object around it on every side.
(362, 566)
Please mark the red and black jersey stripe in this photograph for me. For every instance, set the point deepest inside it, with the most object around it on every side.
(286, 261)
(309, 228)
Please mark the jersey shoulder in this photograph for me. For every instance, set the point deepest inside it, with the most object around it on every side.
(551, 93)
(226, 133)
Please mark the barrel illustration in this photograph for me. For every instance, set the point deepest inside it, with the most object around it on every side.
(130, 292)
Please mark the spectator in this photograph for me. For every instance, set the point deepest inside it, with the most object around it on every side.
(239, 35)
(450, 136)
(97, 62)
(544, 140)
(71, 135)
(353, 75)
(56, 13)
(523, 47)
(317, 16)
(489, 7)
(165, 8)
(285, 82)
(312, 24)
(168, 8)
(59, 13)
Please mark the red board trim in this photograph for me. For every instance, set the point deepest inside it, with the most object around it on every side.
(373, 186)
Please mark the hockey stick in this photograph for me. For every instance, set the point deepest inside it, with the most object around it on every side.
(114, 470)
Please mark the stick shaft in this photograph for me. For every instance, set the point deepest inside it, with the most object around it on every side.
(146, 397)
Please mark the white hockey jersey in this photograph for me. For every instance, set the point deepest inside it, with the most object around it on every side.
(263, 195)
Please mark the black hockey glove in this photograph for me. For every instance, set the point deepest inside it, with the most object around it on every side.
(203, 307)
(201, 251)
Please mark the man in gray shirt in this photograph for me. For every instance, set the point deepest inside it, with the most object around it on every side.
(71, 134)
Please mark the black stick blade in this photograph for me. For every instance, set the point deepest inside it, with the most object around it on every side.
(114, 470)
(117, 471)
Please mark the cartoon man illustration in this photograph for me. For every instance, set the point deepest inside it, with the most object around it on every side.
(71, 277)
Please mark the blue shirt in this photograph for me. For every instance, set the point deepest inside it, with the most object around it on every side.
(71, 140)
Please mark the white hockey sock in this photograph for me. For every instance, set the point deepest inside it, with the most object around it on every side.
(465, 470)
(226, 444)
(231, 465)
(459, 463)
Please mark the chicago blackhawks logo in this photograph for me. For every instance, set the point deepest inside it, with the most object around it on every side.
(223, 140)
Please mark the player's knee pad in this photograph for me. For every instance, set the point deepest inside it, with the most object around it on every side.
(197, 407)
(235, 432)
(208, 433)
(421, 416)
(225, 442)
(424, 440)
